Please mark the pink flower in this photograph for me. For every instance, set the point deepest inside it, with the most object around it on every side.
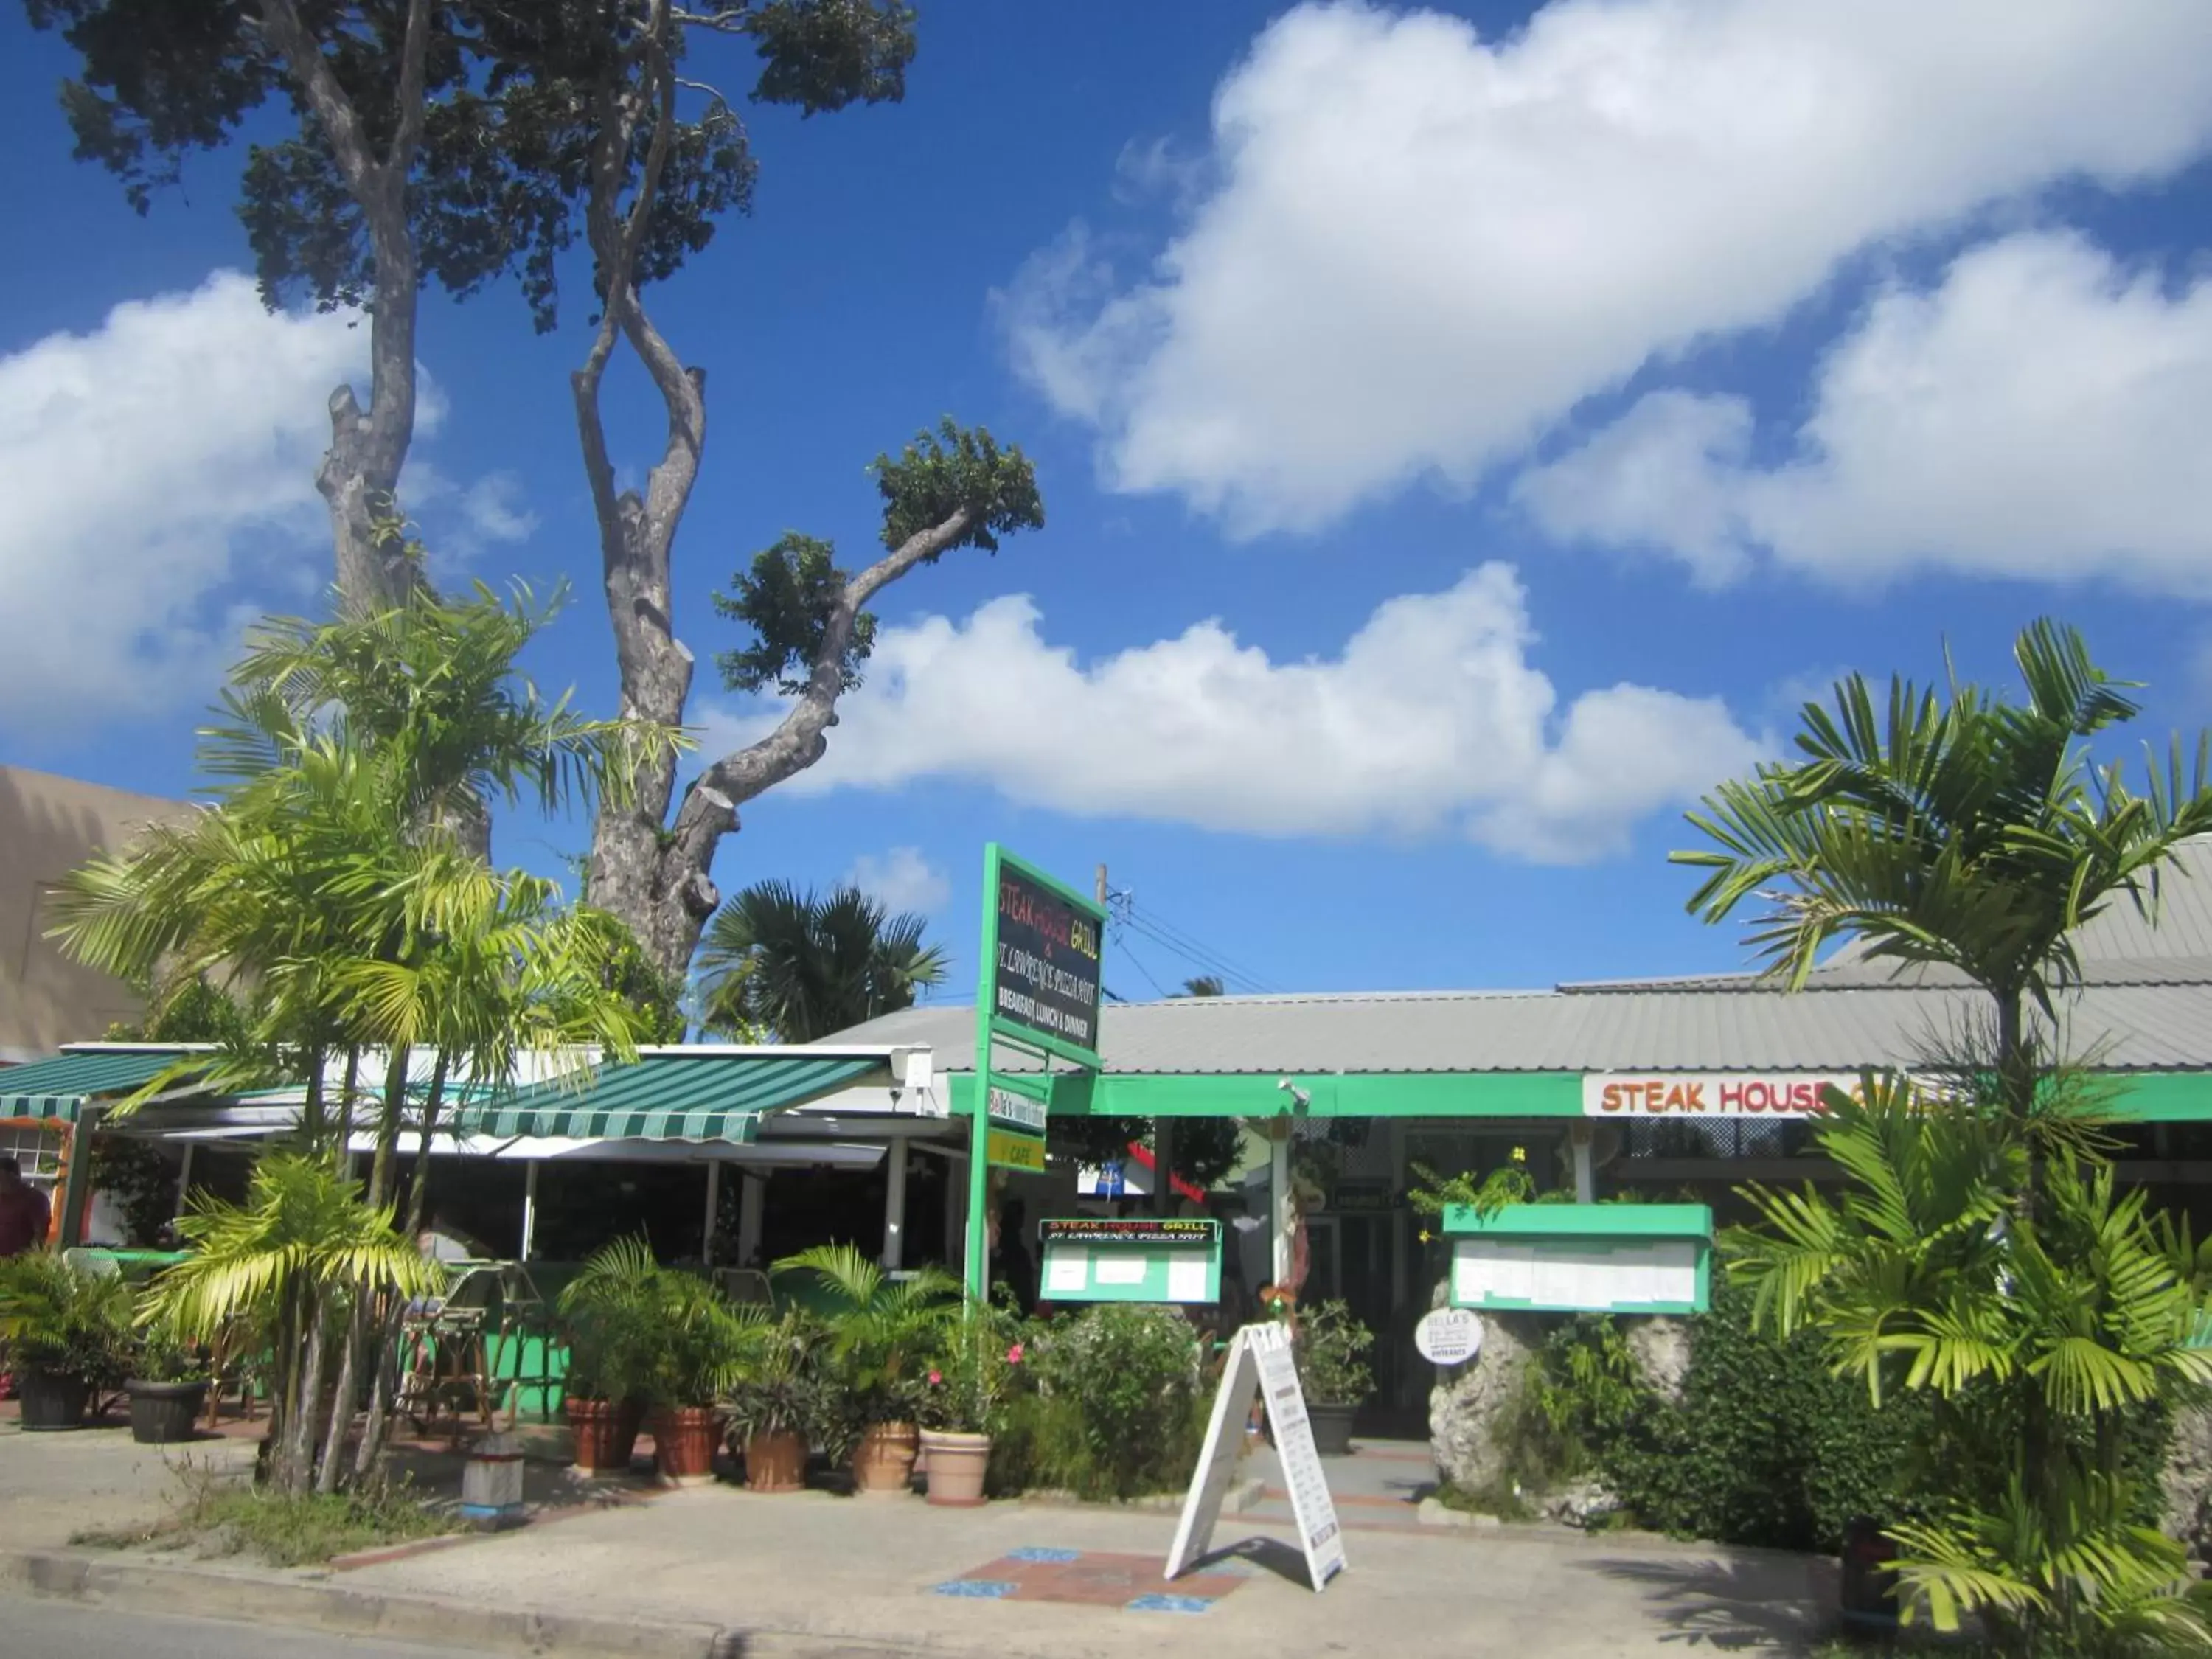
(936, 1377)
(1014, 1354)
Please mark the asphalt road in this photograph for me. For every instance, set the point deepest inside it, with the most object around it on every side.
(39, 1629)
(32, 1629)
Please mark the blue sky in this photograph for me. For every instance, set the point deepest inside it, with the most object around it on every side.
(1464, 433)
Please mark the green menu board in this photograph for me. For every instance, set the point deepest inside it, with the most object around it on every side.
(1582, 1258)
(1140, 1260)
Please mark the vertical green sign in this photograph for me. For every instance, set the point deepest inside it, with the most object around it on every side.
(1038, 990)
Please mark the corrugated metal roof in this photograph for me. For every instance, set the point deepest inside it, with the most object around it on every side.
(58, 1088)
(667, 1097)
(1657, 1028)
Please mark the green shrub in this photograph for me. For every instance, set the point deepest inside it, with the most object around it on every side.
(64, 1319)
(1116, 1410)
(1766, 1446)
(1330, 1349)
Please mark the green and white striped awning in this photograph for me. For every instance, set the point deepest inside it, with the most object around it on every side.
(666, 1096)
(56, 1089)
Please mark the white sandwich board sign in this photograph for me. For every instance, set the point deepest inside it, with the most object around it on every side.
(1259, 1364)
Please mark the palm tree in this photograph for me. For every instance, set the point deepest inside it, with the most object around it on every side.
(1978, 1250)
(2043, 1337)
(1967, 831)
(1205, 984)
(436, 685)
(802, 966)
(882, 1330)
(335, 881)
(303, 1242)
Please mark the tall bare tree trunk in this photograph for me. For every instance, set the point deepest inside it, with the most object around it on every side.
(359, 478)
(652, 872)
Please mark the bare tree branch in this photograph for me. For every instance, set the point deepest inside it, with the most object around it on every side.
(414, 106)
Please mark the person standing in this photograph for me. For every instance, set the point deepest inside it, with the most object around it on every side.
(24, 1216)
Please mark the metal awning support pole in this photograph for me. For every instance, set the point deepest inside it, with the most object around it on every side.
(1281, 1201)
(185, 1176)
(713, 1209)
(752, 1198)
(76, 1183)
(530, 1206)
(895, 1205)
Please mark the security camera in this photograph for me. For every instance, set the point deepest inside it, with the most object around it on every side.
(1299, 1098)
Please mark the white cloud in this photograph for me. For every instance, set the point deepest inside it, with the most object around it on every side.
(1425, 247)
(901, 880)
(159, 477)
(148, 467)
(2041, 413)
(1430, 719)
(464, 522)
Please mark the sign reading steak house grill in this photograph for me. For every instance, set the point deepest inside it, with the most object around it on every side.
(1721, 1094)
(1047, 976)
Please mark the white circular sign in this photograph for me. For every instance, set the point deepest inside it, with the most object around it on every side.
(1449, 1336)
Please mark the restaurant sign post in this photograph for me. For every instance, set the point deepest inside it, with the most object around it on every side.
(1037, 992)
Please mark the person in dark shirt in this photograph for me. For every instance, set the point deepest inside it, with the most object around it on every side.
(1010, 1256)
(23, 1213)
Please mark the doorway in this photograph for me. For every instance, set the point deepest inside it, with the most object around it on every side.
(1355, 1257)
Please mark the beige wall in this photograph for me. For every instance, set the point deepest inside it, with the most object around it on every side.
(48, 826)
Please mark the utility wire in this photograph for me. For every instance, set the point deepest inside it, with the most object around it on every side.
(1188, 944)
(1194, 951)
(1140, 962)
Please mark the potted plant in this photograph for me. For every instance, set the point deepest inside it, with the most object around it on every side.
(167, 1385)
(608, 1318)
(778, 1404)
(704, 1346)
(960, 1404)
(65, 1330)
(882, 1331)
(1328, 1346)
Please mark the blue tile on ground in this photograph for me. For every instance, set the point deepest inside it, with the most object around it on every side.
(1042, 1555)
(979, 1590)
(1170, 1604)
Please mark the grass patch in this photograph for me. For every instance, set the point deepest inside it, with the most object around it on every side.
(293, 1532)
(1501, 1496)
(217, 1517)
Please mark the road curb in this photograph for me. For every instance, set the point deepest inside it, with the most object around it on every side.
(351, 1610)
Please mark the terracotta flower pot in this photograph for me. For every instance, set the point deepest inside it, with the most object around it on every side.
(683, 1440)
(957, 1464)
(775, 1461)
(883, 1462)
(607, 1434)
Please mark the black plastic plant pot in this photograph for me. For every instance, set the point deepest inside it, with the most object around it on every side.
(163, 1413)
(1868, 1582)
(50, 1400)
(1332, 1429)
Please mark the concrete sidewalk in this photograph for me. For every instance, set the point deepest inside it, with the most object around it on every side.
(716, 1571)
(54, 1486)
(894, 1571)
